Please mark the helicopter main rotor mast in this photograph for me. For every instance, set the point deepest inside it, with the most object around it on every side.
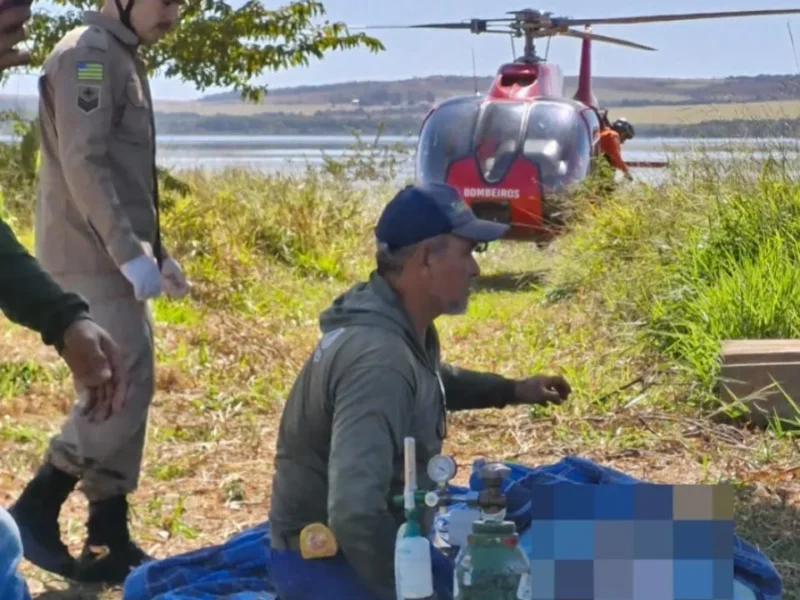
(527, 23)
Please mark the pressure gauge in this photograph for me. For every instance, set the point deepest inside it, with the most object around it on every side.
(441, 468)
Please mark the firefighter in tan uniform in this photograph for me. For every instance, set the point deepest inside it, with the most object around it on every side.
(97, 234)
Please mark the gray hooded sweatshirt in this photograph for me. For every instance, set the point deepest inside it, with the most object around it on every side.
(368, 384)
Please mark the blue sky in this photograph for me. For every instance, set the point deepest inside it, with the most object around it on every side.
(717, 48)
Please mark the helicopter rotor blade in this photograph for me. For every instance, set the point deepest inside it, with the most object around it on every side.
(422, 26)
(604, 38)
(477, 26)
(559, 22)
(541, 25)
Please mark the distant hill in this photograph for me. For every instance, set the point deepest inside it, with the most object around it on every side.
(731, 106)
(612, 91)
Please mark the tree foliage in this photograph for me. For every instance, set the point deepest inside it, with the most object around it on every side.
(215, 44)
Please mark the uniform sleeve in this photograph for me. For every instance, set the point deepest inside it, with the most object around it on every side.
(614, 152)
(30, 297)
(469, 390)
(83, 99)
(371, 417)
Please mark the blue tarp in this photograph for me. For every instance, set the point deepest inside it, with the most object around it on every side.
(12, 583)
(239, 569)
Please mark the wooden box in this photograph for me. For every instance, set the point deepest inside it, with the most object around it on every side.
(764, 375)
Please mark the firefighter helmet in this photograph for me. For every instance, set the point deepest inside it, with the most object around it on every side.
(624, 129)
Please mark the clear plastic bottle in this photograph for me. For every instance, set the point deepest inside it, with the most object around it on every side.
(413, 569)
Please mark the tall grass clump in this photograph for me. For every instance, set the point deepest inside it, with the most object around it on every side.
(238, 228)
(707, 255)
(735, 276)
(617, 244)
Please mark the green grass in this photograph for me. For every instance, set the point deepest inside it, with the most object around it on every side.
(16, 378)
(630, 304)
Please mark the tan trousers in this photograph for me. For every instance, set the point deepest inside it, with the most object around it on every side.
(107, 456)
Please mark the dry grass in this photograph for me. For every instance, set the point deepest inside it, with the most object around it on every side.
(228, 354)
(697, 113)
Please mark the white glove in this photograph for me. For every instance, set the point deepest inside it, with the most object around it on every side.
(173, 280)
(143, 274)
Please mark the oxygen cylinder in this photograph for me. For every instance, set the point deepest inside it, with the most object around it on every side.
(412, 558)
(492, 566)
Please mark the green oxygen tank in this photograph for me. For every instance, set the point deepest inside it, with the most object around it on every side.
(492, 566)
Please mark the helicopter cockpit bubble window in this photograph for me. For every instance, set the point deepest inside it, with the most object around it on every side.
(446, 137)
(497, 138)
(557, 140)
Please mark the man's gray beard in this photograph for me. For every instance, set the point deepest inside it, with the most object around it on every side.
(458, 308)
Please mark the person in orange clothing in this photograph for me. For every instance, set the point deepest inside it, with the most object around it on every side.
(611, 139)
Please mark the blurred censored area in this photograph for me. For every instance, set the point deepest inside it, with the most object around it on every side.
(632, 542)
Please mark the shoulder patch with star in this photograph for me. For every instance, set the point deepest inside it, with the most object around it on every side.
(88, 98)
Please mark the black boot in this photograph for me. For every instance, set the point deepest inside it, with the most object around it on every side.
(109, 554)
(36, 513)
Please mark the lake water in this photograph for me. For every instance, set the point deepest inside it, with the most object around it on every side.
(296, 152)
(274, 153)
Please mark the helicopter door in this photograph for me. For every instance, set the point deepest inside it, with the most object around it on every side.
(593, 123)
(497, 139)
(557, 140)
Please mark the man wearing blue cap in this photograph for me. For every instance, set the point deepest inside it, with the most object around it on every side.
(375, 378)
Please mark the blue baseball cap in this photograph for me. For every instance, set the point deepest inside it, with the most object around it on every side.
(420, 212)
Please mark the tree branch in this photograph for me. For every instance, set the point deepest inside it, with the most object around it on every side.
(215, 45)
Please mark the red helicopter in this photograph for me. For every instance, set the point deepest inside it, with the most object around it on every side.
(513, 150)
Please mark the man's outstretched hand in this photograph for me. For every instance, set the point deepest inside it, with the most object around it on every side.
(96, 364)
(542, 389)
(12, 32)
